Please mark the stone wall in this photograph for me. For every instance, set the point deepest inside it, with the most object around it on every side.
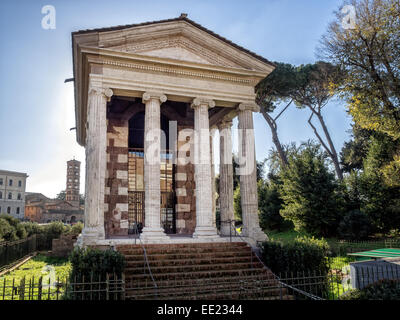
(184, 183)
(63, 246)
(116, 184)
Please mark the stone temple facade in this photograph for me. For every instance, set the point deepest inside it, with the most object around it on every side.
(148, 99)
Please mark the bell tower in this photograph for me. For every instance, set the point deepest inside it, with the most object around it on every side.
(72, 187)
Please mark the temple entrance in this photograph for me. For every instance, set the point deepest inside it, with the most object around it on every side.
(136, 191)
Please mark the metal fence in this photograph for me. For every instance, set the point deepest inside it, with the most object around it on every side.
(336, 283)
(343, 247)
(110, 287)
(310, 285)
(13, 251)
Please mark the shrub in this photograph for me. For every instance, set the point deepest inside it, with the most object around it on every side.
(7, 232)
(237, 207)
(21, 231)
(381, 290)
(94, 262)
(32, 228)
(355, 225)
(303, 254)
(55, 229)
(76, 229)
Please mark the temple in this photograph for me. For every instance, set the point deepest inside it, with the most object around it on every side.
(148, 99)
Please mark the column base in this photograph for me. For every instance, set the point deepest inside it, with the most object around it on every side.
(254, 233)
(90, 236)
(227, 230)
(153, 234)
(205, 232)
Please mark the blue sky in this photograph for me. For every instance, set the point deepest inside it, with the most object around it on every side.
(37, 108)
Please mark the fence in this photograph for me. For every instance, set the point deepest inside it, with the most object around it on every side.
(16, 250)
(335, 283)
(343, 247)
(44, 288)
(13, 251)
(311, 285)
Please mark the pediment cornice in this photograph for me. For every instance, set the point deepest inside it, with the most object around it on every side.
(168, 40)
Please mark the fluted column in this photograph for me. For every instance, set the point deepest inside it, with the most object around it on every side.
(152, 143)
(202, 169)
(248, 173)
(96, 144)
(213, 177)
(225, 177)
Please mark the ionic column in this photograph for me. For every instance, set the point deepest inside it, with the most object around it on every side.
(213, 176)
(202, 169)
(96, 144)
(225, 177)
(152, 143)
(248, 173)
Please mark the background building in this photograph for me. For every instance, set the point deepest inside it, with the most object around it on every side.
(12, 193)
(41, 209)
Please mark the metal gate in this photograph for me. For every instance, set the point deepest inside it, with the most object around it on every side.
(136, 194)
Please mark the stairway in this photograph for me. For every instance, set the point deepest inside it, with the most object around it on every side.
(198, 271)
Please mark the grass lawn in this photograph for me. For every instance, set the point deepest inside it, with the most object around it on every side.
(49, 268)
(284, 236)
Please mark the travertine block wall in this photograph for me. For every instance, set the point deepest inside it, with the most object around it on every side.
(184, 182)
(116, 184)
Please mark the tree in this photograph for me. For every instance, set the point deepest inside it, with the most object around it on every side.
(314, 88)
(355, 150)
(380, 201)
(310, 192)
(270, 203)
(61, 195)
(272, 91)
(369, 54)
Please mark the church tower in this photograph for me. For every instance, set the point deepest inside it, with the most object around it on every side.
(73, 177)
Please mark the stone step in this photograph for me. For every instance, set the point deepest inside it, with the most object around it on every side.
(188, 250)
(213, 292)
(190, 268)
(197, 274)
(199, 260)
(146, 283)
(182, 255)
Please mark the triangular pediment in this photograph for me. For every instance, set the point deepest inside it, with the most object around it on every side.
(182, 41)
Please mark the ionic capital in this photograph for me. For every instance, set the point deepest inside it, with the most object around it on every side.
(225, 124)
(252, 106)
(154, 95)
(197, 102)
(106, 92)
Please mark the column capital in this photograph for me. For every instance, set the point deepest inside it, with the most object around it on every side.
(225, 124)
(106, 92)
(197, 102)
(250, 105)
(148, 95)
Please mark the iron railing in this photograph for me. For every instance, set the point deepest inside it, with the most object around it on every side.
(13, 251)
(43, 288)
(146, 262)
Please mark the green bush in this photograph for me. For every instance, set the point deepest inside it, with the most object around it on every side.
(303, 254)
(7, 232)
(237, 207)
(76, 229)
(96, 263)
(381, 290)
